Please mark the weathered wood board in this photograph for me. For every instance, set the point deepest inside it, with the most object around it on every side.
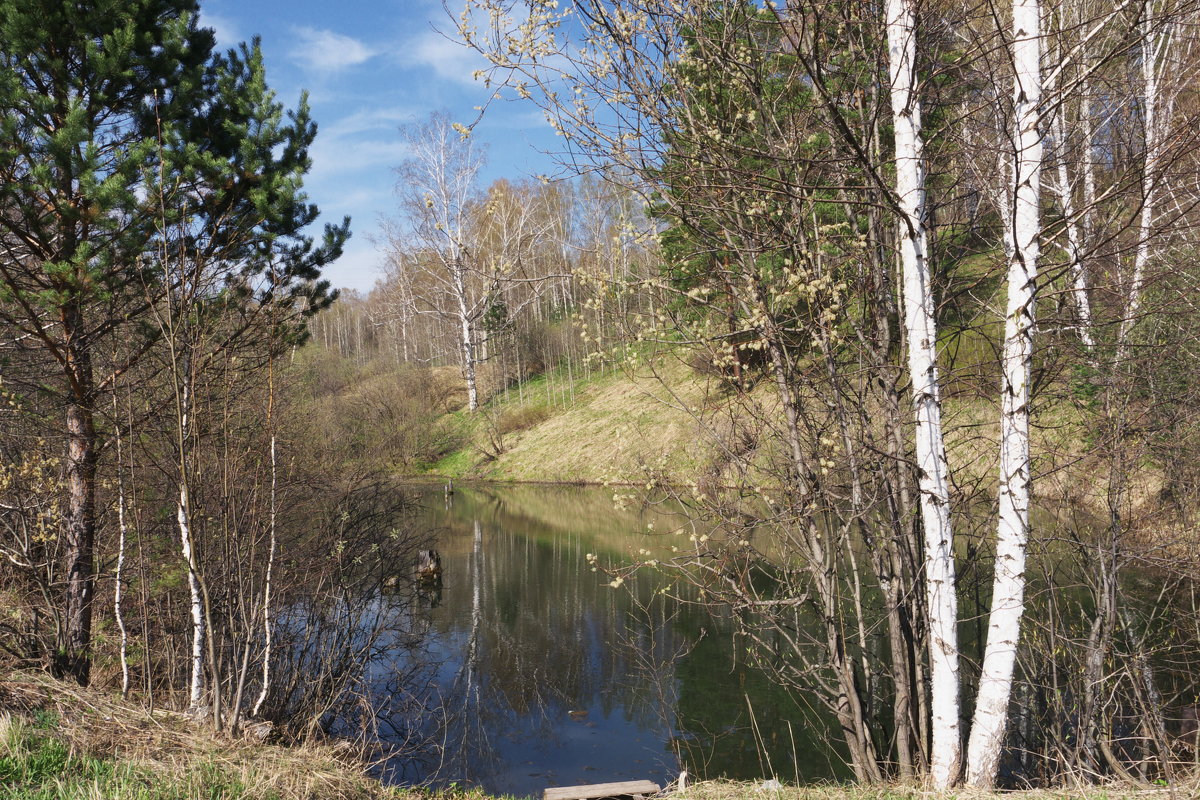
(592, 791)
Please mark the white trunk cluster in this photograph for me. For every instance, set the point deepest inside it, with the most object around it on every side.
(1075, 230)
(1008, 589)
(1154, 50)
(921, 331)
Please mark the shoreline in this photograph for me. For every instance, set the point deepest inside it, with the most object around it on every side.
(60, 741)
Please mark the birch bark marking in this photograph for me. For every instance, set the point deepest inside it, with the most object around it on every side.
(921, 333)
(466, 333)
(1008, 588)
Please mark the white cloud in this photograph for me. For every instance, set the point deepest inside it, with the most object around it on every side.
(366, 120)
(334, 158)
(226, 30)
(359, 267)
(446, 57)
(325, 51)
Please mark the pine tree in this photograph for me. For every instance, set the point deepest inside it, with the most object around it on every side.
(120, 129)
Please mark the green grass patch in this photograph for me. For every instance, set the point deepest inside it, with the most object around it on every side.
(457, 464)
(35, 764)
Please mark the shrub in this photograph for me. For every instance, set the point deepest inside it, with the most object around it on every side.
(523, 418)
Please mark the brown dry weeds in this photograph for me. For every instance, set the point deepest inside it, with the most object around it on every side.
(168, 744)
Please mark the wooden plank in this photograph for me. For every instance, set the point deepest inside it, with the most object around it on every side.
(592, 791)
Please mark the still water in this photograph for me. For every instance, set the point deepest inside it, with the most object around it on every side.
(531, 671)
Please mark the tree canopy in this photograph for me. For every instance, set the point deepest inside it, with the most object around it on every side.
(126, 142)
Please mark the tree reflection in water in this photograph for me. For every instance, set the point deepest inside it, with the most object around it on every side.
(535, 672)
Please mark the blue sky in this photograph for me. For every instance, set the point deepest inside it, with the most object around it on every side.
(369, 67)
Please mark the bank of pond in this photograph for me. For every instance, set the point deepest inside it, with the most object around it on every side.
(505, 657)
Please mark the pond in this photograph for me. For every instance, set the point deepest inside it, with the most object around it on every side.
(522, 668)
(534, 672)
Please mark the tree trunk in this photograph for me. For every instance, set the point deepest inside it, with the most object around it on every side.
(196, 683)
(1075, 243)
(183, 517)
(80, 534)
(268, 619)
(75, 658)
(119, 575)
(847, 704)
(268, 630)
(1008, 590)
(468, 358)
(932, 469)
(465, 338)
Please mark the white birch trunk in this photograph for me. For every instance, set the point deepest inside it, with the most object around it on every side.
(268, 631)
(1089, 162)
(196, 685)
(920, 327)
(1008, 592)
(1153, 52)
(119, 577)
(267, 581)
(183, 516)
(1075, 242)
(465, 342)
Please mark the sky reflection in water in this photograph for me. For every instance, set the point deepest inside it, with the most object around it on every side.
(535, 673)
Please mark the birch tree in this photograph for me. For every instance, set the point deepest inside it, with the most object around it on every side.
(1076, 221)
(466, 254)
(438, 184)
(748, 131)
(1158, 34)
(119, 576)
(921, 331)
(1023, 222)
(230, 259)
(273, 542)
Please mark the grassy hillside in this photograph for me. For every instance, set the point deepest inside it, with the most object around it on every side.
(666, 419)
(616, 426)
(658, 418)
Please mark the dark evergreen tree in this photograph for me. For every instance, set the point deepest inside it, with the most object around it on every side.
(123, 139)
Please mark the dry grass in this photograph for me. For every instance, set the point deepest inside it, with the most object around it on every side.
(618, 429)
(134, 753)
(522, 418)
(664, 418)
(728, 790)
